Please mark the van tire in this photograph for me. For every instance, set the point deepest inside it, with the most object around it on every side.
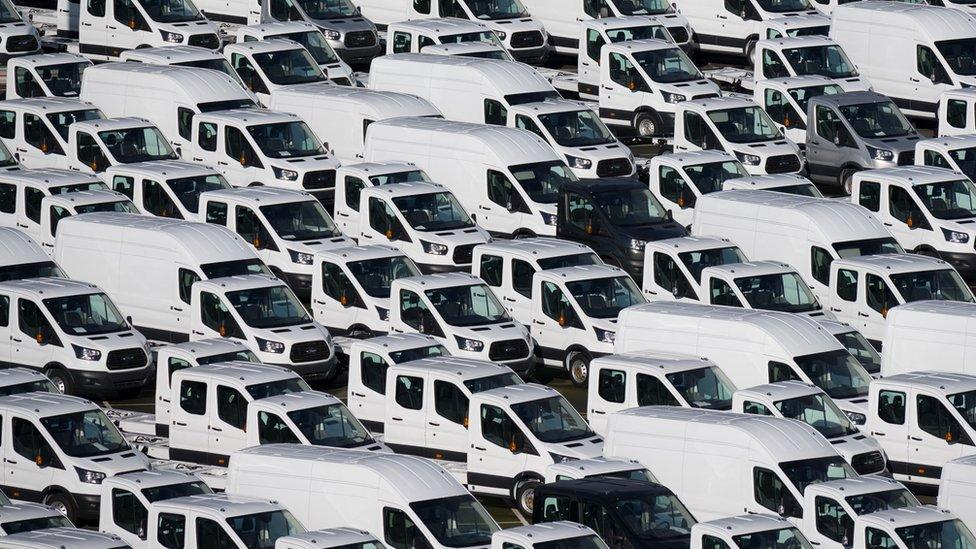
(647, 124)
(255, 184)
(360, 332)
(63, 503)
(926, 251)
(750, 52)
(525, 496)
(578, 366)
(61, 379)
(847, 180)
(541, 373)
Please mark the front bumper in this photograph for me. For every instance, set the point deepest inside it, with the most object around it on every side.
(356, 55)
(101, 382)
(964, 262)
(523, 367)
(538, 54)
(312, 370)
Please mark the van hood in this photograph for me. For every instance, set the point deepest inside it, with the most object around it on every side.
(18, 28)
(346, 24)
(855, 444)
(509, 26)
(304, 164)
(115, 464)
(338, 70)
(905, 143)
(319, 245)
(966, 225)
(854, 83)
(856, 405)
(127, 339)
(492, 332)
(695, 89)
(584, 448)
(607, 151)
(312, 331)
(654, 231)
(455, 237)
(189, 28)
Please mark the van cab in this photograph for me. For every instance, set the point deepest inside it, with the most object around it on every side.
(650, 378)
(46, 75)
(743, 532)
(678, 179)
(673, 266)
(483, 50)
(310, 37)
(598, 467)
(65, 448)
(412, 35)
(425, 220)
(955, 153)
(286, 227)
(329, 538)
(57, 207)
(928, 209)
(781, 183)
(266, 66)
(855, 343)
(908, 527)
(830, 509)
(36, 130)
(351, 287)
(785, 100)
(739, 127)
(807, 56)
(353, 37)
(18, 36)
(735, 26)
(113, 27)
(252, 147)
(94, 145)
(766, 285)
(549, 534)
(351, 179)
(165, 188)
(22, 258)
(72, 332)
(25, 190)
(464, 315)
(956, 116)
(183, 56)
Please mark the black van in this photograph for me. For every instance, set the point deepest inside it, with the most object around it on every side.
(626, 513)
(615, 217)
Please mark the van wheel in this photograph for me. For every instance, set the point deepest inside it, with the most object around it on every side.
(63, 504)
(61, 379)
(847, 180)
(928, 252)
(541, 373)
(255, 184)
(751, 53)
(578, 366)
(646, 124)
(525, 496)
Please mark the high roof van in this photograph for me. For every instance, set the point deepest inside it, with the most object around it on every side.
(183, 56)
(21, 257)
(930, 335)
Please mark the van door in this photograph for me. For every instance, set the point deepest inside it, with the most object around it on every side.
(607, 393)
(889, 426)
(127, 27)
(499, 451)
(34, 340)
(589, 64)
(844, 291)
(406, 414)
(368, 400)
(240, 161)
(624, 92)
(520, 273)
(905, 218)
(205, 147)
(227, 420)
(826, 151)
(447, 419)
(93, 31)
(556, 324)
(189, 431)
(6, 333)
(29, 218)
(31, 465)
(347, 209)
(40, 147)
(879, 298)
(936, 435)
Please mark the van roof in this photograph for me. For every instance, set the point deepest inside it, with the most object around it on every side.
(595, 466)
(262, 196)
(201, 84)
(49, 105)
(263, 46)
(60, 538)
(583, 272)
(168, 55)
(683, 244)
(206, 347)
(850, 98)
(109, 124)
(21, 510)
(290, 402)
(48, 178)
(787, 439)
(761, 182)
(165, 169)
(45, 288)
(529, 535)
(634, 46)
(392, 343)
(550, 106)
(250, 116)
(379, 104)
(535, 248)
(960, 468)
(610, 23)
(412, 478)
(781, 390)
(912, 175)
(931, 21)
(948, 143)
(893, 264)
(238, 372)
(502, 76)
(936, 307)
(372, 169)
(836, 327)
(512, 145)
(692, 158)
(664, 362)
(39, 405)
(439, 280)
(47, 59)
(239, 282)
(202, 242)
(85, 198)
(17, 248)
(328, 538)
(458, 367)
(716, 103)
(223, 505)
(743, 524)
(866, 484)
(791, 42)
(906, 516)
(397, 190)
(276, 28)
(945, 383)
(153, 478)
(460, 48)
(19, 374)
(349, 254)
(793, 82)
(751, 268)
(515, 394)
(439, 25)
(799, 21)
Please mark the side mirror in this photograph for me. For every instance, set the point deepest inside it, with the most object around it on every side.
(949, 438)
(41, 337)
(40, 461)
(514, 445)
(344, 300)
(911, 223)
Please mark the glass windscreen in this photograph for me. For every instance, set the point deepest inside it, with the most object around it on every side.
(332, 425)
(189, 189)
(576, 128)
(488, 383)
(489, 10)
(872, 246)
(709, 178)
(805, 472)
(245, 356)
(542, 180)
(667, 66)
(178, 490)
(655, 516)
(216, 64)
(744, 125)
(63, 80)
(131, 145)
(707, 388)
(959, 55)
(948, 199)
(377, 275)
(61, 120)
(298, 221)
(784, 6)
(471, 305)
(478, 36)
(39, 386)
(117, 206)
(399, 177)
(316, 44)
(85, 434)
(819, 412)
(40, 523)
(268, 307)
(79, 187)
(40, 269)
(261, 530)
(234, 268)
(965, 405)
(277, 388)
(861, 349)
(829, 61)
(459, 521)
(946, 534)
(171, 11)
(803, 95)
(407, 355)
(430, 212)
(642, 7)
(328, 9)
(605, 297)
(864, 504)
(86, 314)
(965, 159)
(572, 260)
(286, 140)
(579, 542)
(642, 32)
(785, 538)
(552, 419)
(837, 373)
(289, 67)
(630, 207)
(785, 292)
(877, 120)
(942, 284)
(699, 260)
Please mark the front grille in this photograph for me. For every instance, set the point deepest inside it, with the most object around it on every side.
(906, 158)
(870, 462)
(324, 179)
(512, 349)
(615, 167)
(785, 163)
(360, 39)
(531, 39)
(22, 43)
(462, 254)
(125, 359)
(310, 351)
(209, 41)
(680, 34)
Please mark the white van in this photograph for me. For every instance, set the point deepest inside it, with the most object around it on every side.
(330, 538)
(957, 489)
(36, 130)
(598, 467)
(269, 66)
(18, 36)
(734, 26)
(954, 117)
(522, 172)
(57, 538)
(677, 180)
(23, 191)
(310, 37)
(45, 75)
(785, 100)
(167, 96)
(930, 335)
(856, 344)
(339, 115)
(751, 347)
(72, 332)
(183, 56)
(23, 517)
(764, 285)
(351, 179)
(96, 144)
(746, 531)
(412, 35)
(165, 188)
(484, 50)
(673, 266)
(285, 227)
(926, 50)
(21, 257)
(806, 233)
(909, 527)
(723, 463)
(953, 152)
(57, 207)
(782, 183)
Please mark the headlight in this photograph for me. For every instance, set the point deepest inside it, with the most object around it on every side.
(955, 237)
(557, 458)
(268, 346)
(579, 163)
(331, 34)
(301, 258)
(84, 353)
(501, 35)
(172, 37)
(285, 174)
(856, 418)
(673, 97)
(472, 345)
(637, 245)
(605, 336)
(434, 248)
(549, 219)
(881, 154)
(383, 313)
(89, 477)
(748, 159)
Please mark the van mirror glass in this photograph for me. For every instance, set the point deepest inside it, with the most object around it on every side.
(41, 337)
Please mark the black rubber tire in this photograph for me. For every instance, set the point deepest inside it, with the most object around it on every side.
(577, 364)
(750, 52)
(846, 180)
(63, 503)
(525, 496)
(62, 379)
(541, 373)
(647, 124)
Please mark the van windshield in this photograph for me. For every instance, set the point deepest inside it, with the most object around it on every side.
(297, 221)
(399, 357)
(818, 412)
(542, 180)
(328, 9)
(552, 419)
(268, 307)
(131, 145)
(61, 120)
(959, 55)
(630, 207)
(784, 6)
(479, 36)
(948, 199)
(579, 542)
(531, 97)
(277, 388)
(399, 177)
(605, 297)
(433, 212)
(234, 268)
(377, 275)
(171, 491)
(576, 128)
(800, 189)
(39, 386)
(216, 64)
(803, 95)
(837, 373)
(861, 349)
(699, 260)
(260, 530)
(804, 472)
(89, 314)
(488, 10)
(289, 67)
(642, 32)
(710, 177)
(785, 292)
(965, 404)
(488, 383)
(119, 206)
(744, 124)
(632, 474)
(40, 523)
(655, 516)
(245, 356)
(63, 80)
(8, 13)
(965, 159)
(78, 187)
(641, 7)
(873, 246)
(877, 120)
(667, 66)
(41, 269)
(948, 533)
(171, 11)
(315, 43)
(85, 434)
(189, 189)
(458, 521)
(785, 538)
(829, 61)
(942, 284)
(286, 140)
(472, 305)
(331, 425)
(864, 504)
(706, 388)
(574, 260)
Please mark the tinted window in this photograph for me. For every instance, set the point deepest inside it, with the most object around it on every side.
(410, 392)
(193, 397)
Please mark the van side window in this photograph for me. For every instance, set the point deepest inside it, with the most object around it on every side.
(507, 545)
(237, 147)
(31, 444)
(525, 123)
(449, 8)
(903, 207)
(652, 392)
(580, 213)
(832, 520)
(372, 370)
(128, 513)
(869, 195)
(596, 8)
(422, 6)
(820, 260)
(34, 324)
(698, 133)
(522, 272)
(414, 313)
(878, 539)
(57, 214)
(668, 276)
(424, 41)
(674, 188)
(250, 227)
(382, 219)
(8, 196)
(125, 185)
(932, 158)
(556, 306)
(879, 295)
(831, 128)
(496, 427)
(193, 397)
(284, 10)
(90, 154)
(711, 542)
(399, 531)
(8, 124)
(26, 85)
(39, 136)
(555, 508)
(156, 201)
(216, 316)
(751, 407)
(495, 113)
(502, 192)
(935, 419)
(231, 407)
(594, 43)
(354, 188)
(595, 516)
(930, 67)
(490, 269)
(956, 113)
(780, 372)
(410, 392)
(96, 8)
(216, 537)
(611, 385)
(217, 213)
(721, 293)
(772, 65)
(771, 493)
(175, 365)
(128, 14)
(187, 279)
(207, 136)
(273, 430)
(184, 122)
(4, 310)
(32, 203)
(622, 71)
(401, 42)
(171, 530)
(847, 284)
(891, 407)
(450, 402)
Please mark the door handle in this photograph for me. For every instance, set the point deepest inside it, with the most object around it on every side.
(479, 448)
(859, 313)
(111, 27)
(598, 412)
(218, 429)
(887, 225)
(180, 423)
(342, 214)
(15, 339)
(367, 236)
(432, 424)
(172, 308)
(877, 434)
(540, 323)
(510, 300)
(913, 79)
(86, 24)
(164, 399)
(916, 439)
(21, 225)
(318, 302)
(197, 159)
(586, 64)
(221, 163)
(197, 333)
(5, 460)
(608, 88)
(722, 16)
(480, 207)
(361, 395)
(835, 309)
(814, 142)
(397, 418)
